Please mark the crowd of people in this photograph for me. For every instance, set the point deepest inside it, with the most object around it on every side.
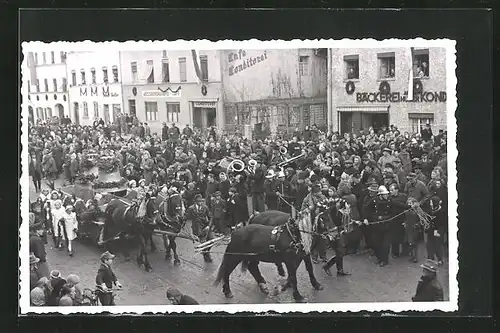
(379, 172)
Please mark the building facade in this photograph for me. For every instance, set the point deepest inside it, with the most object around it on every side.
(45, 78)
(275, 90)
(95, 90)
(181, 87)
(371, 87)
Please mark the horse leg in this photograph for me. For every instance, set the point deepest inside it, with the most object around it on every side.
(253, 268)
(166, 244)
(231, 261)
(153, 244)
(147, 265)
(291, 267)
(310, 270)
(173, 246)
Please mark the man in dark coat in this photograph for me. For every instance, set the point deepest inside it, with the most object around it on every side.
(177, 298)
(164, 132)
(37, 247)
(35, 171)
(257, 188)
(237, 210)
(429, 289)
(200, 218)
(106, 278)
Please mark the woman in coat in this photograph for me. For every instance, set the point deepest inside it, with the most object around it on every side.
(69, 227)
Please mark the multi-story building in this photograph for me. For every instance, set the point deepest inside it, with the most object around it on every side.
(45, 78)
(373, 87)
(95, 90)
(181, 87)
(274, 90)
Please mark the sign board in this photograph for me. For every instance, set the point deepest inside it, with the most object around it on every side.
(398, 97)
(204, 104)
(161, 94)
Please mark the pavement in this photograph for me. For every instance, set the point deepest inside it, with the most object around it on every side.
(395, 282)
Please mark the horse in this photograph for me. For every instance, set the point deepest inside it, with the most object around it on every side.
(171, 209)
(289, 243)
(130, 221)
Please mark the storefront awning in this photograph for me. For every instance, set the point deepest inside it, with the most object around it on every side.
(363, 108)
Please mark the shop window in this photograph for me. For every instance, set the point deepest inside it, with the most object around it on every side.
(54, 82)
(182, 69)
(419, 120)
(46, 84)
(82, 72)
(92, 75)
(96, 110)
(304, 65)
(73, 78)
(105, 74)
(165, 70)
(151, 109)
(133, 69)
(85, 110)
(151, 71)
(351, 67)
(204, 67)
(131, 107)
(173, 111)
(421, 63)
(387, 65)
(115, 73)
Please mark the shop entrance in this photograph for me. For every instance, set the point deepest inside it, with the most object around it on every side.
(357, 121)
(204, 117)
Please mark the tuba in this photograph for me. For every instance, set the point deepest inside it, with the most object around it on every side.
(236, 166)
(283, 150)
(251, 165)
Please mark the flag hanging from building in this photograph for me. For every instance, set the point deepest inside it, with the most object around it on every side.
(196, 62)
(410, 77)
(32, 68)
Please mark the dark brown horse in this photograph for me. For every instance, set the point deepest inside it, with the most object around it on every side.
(289, 243)
(123, 221)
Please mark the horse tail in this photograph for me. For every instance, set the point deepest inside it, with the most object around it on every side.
(244, 266)
(220, 272)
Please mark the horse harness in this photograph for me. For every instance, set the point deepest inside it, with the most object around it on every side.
(295, 245)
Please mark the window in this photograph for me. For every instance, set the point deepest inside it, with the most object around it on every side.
(131, 107)
(73, 78)
(164, 53)
(52, 57)
(106, 113)
(63, 57)
(351, 64)
(151, 111)
(204, 67)
(387, 66)
(92, 74)
(96, 110)
(304, 65)
(182, 69)
(29, 86)
(48, 113)
(421, 63)
(82, 72)
(37, 85)
(46, 84)
(173, 111)
(85, 110)
(115, 74)
(105, 74)
(165, 71)
(151, 77)
(65, 84)
(419, 120)
(54, 81)
(39, 113)
(44, 58)
(133, 68)
(36, 58)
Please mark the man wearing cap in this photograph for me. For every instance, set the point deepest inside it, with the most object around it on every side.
(37, 247)
(257, 187)
(429, 289)
(313, 198)
(217, 208)
(236, 211)
(200, 218)
(106, 278)
(368, 203)
(177, 298)
(420, 175)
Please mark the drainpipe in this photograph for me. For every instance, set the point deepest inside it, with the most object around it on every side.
(329, 89)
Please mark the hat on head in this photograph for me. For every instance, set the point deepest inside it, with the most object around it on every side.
(417, 166)
(107, 255)
(198, 197)
(349, 161)
(33, 259)
(270, 174)
(411, 175)
(430, 265)
(233, 189)
(396, 160)
(173, 293)
(69, 207)
(382, 190)
(290, 169)
(54, 274)
(216, 193)
(386, 149)
(373, 187)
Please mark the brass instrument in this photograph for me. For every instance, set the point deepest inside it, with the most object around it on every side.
(236, 166)
(283, 150)
(285, 162)
(252, 164)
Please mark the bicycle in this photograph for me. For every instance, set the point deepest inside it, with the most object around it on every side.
(91, 297)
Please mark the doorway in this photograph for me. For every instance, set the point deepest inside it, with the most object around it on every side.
(76, 112)
(354, 122)
(204, 118)
(60, 111)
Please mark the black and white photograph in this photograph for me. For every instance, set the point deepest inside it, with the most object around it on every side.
(184, 176)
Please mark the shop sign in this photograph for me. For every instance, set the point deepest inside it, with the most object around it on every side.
(397, 97)
(204, 104)
(239, 61)
(95, 92)
(161, 94)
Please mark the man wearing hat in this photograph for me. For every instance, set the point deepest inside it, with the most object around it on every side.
(106, 279)
(199, 216)
(429, 289)
(368, 203)
(420, 175)
(386, 158)
(34, 273)
(37, 247)
(217, 208)
(313, 198)
(177, 298)
(302, 189)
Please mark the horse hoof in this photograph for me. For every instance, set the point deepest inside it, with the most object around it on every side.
(318, 286)
(264, 288)
(298, 298)
(228, 294)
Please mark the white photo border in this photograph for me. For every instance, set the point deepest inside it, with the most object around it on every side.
(452, 154)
